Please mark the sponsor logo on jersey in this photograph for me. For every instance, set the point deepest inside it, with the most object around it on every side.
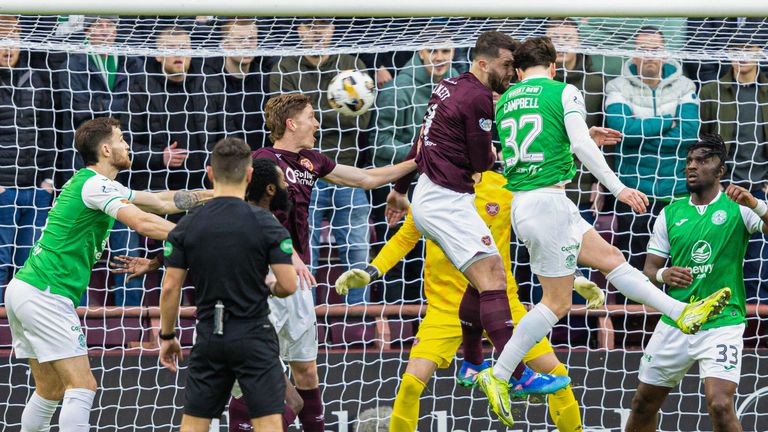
(301, 177)
(570, 261)
(486, 240)
(647, 358)
(108, 189)
(701, 252)
(492, 208)
(167, 248)
(729, 368)
(306, 163)
(680, 222)
(719, 217)
(486, 124)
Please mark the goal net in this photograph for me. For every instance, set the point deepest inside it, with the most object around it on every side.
(178, 84)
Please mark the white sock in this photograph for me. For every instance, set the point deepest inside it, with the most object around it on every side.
(636, 287)
(37, 414)
(534, 326)
(76, 410)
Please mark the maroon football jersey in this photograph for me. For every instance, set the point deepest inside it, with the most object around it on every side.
(301, 171)
(456, 133)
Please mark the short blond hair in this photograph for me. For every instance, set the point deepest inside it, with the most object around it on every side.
(280, 108)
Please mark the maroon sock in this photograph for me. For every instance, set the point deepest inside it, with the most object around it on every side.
(311, 416)
(239, 419)
(497, 321)
(288, 418)
(471, 327)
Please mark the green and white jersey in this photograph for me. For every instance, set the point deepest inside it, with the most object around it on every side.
(711, 240)
(530, 118)
(75, 234)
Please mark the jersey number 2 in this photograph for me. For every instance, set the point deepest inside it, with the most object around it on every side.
(520, 150)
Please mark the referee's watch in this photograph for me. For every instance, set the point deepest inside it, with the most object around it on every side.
(169, 336)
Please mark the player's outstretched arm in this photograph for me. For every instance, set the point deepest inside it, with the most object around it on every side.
(170, 296)
(133, 266)
(344, 175)
(743, 197)
(285, 276)
(583, 146)
(393, 251)
(144, 223)
(170, 202)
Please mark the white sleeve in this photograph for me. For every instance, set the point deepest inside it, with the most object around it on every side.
(751, 220)
(659, 243)
(573, 102)
(589, 154)
(102, 194)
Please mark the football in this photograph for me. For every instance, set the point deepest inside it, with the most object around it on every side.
(350, 93)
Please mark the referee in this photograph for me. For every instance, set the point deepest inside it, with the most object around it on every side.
(228, 261)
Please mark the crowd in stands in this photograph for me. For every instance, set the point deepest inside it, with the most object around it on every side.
(173, 108)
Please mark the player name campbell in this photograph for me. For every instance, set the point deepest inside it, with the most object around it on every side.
(521, 103)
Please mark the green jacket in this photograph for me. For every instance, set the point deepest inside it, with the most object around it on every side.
(401, 105)
(718, 107)
(592, 86)
(338, 135)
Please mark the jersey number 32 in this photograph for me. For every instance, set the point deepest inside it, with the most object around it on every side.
(520, 149)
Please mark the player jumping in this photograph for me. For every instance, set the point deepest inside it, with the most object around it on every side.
(453, 145)
(440, 332)
(541, 123)
(705, 237)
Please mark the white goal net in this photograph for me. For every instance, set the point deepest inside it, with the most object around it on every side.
(182, 83)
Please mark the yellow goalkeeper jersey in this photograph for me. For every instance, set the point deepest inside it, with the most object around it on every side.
(444, 285)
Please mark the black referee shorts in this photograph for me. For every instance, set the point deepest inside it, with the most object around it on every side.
(247, 352)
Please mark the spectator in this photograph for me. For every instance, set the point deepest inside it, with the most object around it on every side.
(573, 68)
(714, 34)
(618, 33)
(96, 85)
(401, 105)
(174, 119)
(657, 110)
(27, 152)
(241, 79)
(347, 209)
(736, 107)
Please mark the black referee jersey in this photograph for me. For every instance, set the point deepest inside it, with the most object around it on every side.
(227, 246)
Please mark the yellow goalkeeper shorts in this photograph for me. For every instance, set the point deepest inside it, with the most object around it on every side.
(439, 337)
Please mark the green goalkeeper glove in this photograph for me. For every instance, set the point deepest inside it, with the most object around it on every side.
(590, 291)
(356, 278)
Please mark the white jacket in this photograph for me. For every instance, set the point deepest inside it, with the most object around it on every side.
(673, 90)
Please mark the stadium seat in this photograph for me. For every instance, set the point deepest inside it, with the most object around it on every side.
(112, 332)
(5, 334)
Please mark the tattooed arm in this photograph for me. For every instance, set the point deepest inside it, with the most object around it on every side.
(169, 202)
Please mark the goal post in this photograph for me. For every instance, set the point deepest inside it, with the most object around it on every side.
(341, 8)
(363, 349)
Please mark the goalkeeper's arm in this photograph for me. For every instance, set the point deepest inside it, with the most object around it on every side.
(393, 251)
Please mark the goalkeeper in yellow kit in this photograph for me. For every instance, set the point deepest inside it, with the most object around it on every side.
(440, 332)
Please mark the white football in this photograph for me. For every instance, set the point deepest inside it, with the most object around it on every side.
(351, 93)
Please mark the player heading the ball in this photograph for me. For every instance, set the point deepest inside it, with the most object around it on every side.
(541, 123)
(455, 143)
